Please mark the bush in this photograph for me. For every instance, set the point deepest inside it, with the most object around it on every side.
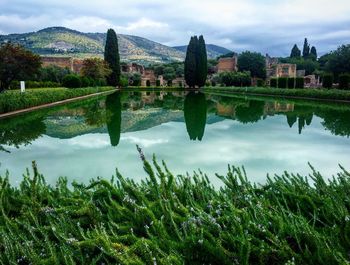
(124, 81)
(273, 82)
(148, 83)
(327, 81)
(260, 82)
(282, 82)
(235, 79)
(71, 81)
(213, 83)
(34, 84)
(86, 81)
(170, 83)
(299, 82)
(291, 82)
(157, 82)
(344, 80)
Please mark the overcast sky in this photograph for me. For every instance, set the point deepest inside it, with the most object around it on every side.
(266, 26)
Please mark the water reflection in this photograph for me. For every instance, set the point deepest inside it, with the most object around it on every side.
(123, 112)
(113, 117)
(195, 112)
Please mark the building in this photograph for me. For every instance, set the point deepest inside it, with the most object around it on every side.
(286, 70)
(71, 63)
(227, 64)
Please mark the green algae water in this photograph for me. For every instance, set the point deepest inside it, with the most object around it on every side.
(190, 131)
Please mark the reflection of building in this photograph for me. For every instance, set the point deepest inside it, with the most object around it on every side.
(227, 64)
(226, 110)
(71, 63)
(277, 107)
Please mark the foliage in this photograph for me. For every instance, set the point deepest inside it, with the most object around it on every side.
(299, 82)
(344, 81)
(95, 69)
(71, 81)
(53, 73)
(282, 82)
(235, 78)
(158, 83)
(251, 112)
(313, 53)
(124, 81)
(14, 100)
(202, 63)
(339, 60)
(295, 53)
(169, 73)
(291, 82)
(306, 49)
(274, 82)
(303, 64)
(196, 65)
(34, 84)
(327, 80)
(111, 56)
(148, 83)
(253, 62)
(195, 112)
(176, 220)
(16, 63)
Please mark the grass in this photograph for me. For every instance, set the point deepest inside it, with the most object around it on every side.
(14, 100)
(325, 94)
(176, 220)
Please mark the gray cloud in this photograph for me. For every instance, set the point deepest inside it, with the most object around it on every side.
(268, 26)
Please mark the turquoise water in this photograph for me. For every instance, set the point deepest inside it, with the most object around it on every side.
(189, 131)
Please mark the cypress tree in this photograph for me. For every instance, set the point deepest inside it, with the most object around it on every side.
(313, 53)
(306, 49)
(112, 57)
(191, 63)
(202, 63)
(295, 53)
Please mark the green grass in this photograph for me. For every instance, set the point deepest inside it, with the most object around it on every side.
(176, 220)
(14, 100)
(325, 94)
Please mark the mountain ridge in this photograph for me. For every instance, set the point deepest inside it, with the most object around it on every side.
(61, 41)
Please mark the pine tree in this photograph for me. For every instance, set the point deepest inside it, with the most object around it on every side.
(202, 63)
(191, 63)
(112, 57)
(306, 49)
(313, 53)
(295, 53)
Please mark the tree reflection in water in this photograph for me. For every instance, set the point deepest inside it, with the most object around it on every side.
(114, 117)
(195, 112)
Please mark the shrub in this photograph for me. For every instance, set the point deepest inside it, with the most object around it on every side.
(299, 82)
(86, 81)
(148, 83)
(291, 82)
(207, 84)
(157, 82)
(170, 83)
(235, 79)
(260, 82)
(344, 80)
(213, 83)
(34, 84)
(327, 81)
(273, 82)
(71, 81)
(282, 82)
(124, 81)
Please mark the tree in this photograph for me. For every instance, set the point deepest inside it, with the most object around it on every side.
(295, 53)
(53, 73)
(112, 57)
(16, 63)
(191, 63)
(202, 63)
(339, 61)
(169, 73)
(313, 53)
(306, 49)
(96, 69)
(253, 62)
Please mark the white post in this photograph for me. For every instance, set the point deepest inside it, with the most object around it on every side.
(23, 86)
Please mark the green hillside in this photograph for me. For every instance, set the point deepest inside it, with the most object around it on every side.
(60, 41)
(213, 51)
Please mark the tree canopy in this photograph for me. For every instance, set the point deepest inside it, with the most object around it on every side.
(253, 62)
(16, 63)
(111, 56)
(295, 53)
(96, 69)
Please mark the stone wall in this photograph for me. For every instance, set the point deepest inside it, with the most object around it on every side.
(72, 64)
(227, 64)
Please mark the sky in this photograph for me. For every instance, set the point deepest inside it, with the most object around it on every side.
(266, 26)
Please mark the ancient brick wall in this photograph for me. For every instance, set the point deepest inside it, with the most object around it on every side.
(227, 65)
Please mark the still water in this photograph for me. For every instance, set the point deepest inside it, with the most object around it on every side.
(93, 137)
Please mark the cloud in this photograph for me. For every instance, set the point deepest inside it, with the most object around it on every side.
(266, 26)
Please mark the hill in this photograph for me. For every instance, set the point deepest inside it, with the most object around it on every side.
(213, 51)
(60, 41)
